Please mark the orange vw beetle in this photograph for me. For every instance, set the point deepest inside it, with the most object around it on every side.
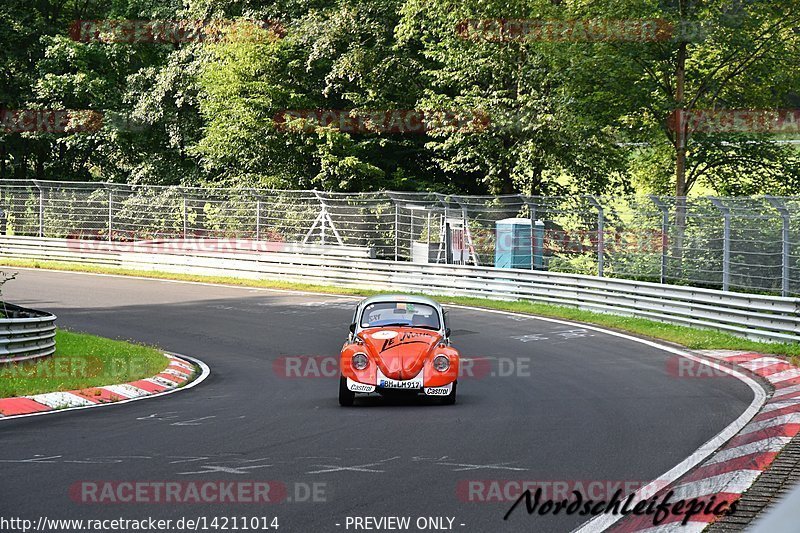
(398, 345)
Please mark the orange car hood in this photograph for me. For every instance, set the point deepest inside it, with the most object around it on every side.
(400, 352)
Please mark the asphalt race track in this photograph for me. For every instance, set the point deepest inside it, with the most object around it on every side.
(577, 405)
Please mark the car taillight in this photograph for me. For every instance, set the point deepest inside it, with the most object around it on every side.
(441, 363)
(360, 361)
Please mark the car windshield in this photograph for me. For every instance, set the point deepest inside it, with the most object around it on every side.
(400, 314)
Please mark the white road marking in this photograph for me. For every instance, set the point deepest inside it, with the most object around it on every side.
(735, 482)
(786, 391)
(463, 467)
(194, 421)
(366, 467)
(60, 400)
(156, 416)
(208, 469)
(771, 444)
(791, 418)
(722, 354)
(126, 391)
(34, 459)
(761, 362)
(156, 380)
(775, 405)
(174, 372)
(785, 375)
(189, 459)
(531, 337)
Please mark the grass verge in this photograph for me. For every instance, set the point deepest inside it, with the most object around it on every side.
(692, 338)
(81, 361)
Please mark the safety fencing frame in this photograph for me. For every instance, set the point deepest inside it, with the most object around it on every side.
(760, 317)
(742, 243)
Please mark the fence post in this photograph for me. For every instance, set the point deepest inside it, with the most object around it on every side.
(532, 215)
(664, 234)
(726, 242)
(781, 208)
(41, 208)
(324, 214)
(600, 234)
(258, 219)
(396, 232)
(185, 217)
(428, 233)
(110, 212)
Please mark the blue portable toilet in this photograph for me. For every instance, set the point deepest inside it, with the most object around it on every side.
(512, 248)
(513, 244)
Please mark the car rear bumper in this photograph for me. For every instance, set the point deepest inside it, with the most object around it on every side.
(389, 386)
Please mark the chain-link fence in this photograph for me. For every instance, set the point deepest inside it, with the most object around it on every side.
(744, 243)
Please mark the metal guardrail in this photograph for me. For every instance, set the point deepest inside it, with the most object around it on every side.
(26, 333)
(759, 317)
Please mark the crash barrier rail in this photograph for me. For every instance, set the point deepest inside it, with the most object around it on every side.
(25, 333)
(759, 317)
(102, 252)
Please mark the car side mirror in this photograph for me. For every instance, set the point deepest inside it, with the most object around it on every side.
(353, 327)
(447, 333)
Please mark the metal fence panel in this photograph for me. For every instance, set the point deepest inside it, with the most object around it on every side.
(740, 244)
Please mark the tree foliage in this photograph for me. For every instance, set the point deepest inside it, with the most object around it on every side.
(558, 115)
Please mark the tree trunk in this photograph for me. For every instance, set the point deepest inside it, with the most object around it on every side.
(681, 134)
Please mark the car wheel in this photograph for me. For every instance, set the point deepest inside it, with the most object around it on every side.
(450, 399)
(346, 396)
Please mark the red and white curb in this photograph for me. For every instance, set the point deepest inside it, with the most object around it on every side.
(729, 472)
(176, 376)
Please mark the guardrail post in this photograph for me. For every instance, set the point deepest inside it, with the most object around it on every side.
(781, 208)
(600, 234)
(664, 234)
(726, 242)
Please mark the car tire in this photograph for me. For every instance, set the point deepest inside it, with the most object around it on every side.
(450, 399)
(346, 396)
